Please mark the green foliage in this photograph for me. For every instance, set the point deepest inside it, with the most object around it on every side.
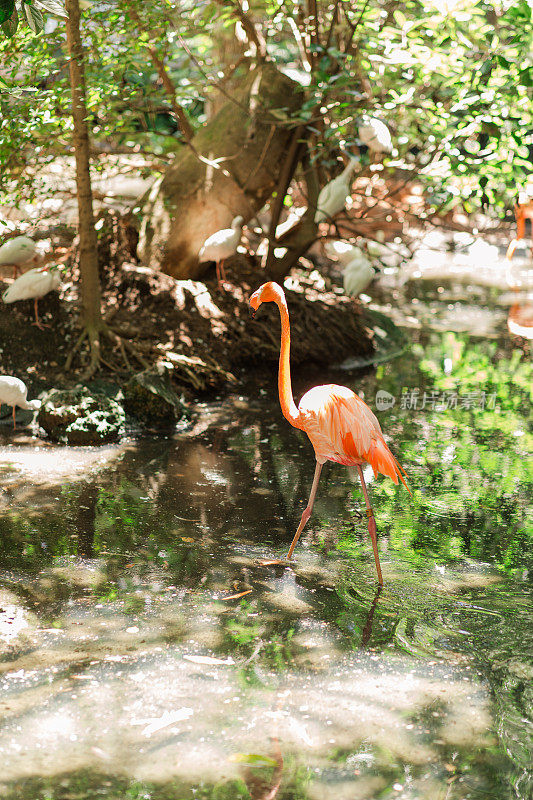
(94, 786)
(452, 81)
(30, 11)
(7, 8)
(473, 471)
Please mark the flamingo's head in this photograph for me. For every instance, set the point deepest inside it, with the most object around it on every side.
(267, 293)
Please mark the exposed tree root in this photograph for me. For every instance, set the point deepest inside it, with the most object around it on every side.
(95, 333)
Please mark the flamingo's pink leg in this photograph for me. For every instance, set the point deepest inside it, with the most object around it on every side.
(14, 422)
(307, 511)
(305, 516)
(371, 525)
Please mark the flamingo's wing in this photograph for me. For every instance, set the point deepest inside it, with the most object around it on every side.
(343, 428)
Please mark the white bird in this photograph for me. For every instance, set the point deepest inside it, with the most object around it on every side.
(17, 251)
(332, 197)
(221, 245)
(13, 392)
(342, 251)
(375, 134)
(357, 274)
(32, 285)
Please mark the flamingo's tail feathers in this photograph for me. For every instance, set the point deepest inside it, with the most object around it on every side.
(381, 460)
(401, 473)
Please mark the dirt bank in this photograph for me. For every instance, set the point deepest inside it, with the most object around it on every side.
(203, 331)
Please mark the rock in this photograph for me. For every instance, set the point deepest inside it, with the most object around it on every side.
(150, 397)
(81, 416)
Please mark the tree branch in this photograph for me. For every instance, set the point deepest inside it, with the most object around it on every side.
(302, 236)
(353, 25)
(334, 20)
(287, 171)
(168, 85)
(252, 30)
(170, 89)
(307, 62)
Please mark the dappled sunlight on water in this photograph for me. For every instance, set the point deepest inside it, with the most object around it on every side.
(146, 653)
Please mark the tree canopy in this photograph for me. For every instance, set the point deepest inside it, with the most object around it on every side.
(451, 78)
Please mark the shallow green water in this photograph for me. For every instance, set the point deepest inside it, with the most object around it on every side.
(145, 653)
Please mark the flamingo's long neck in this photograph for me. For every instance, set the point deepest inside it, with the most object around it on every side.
(288, 406)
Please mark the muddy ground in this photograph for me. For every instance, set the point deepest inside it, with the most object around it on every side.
(202, 331)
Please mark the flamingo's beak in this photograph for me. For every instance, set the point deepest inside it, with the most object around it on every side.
(253, 311)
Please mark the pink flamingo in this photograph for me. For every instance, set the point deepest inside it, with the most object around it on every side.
(339, 424)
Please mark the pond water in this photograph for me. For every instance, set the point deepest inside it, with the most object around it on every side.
(146, 653)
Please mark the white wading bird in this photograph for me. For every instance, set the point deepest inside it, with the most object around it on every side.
(221, 245)
(13, 392)
(332, 197)
(343, 252)
(17, 251)
(375, 134)
(357, 274)
(32, 285)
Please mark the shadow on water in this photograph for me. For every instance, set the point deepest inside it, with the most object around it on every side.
(146, 654)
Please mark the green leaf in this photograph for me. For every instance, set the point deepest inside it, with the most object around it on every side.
(253, 760)
(11, 24)
(53, 6)
(401, 19)
(5, 87)
(6, 9)
(526, 76)
(34, 17)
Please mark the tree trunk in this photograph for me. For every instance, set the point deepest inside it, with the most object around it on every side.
(91, 316)
(226, 51)
(298, 239)
(246, 144)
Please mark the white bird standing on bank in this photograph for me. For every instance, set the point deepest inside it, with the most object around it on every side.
(343, 252)
(32, 285)
(332, 197)
(13, 392)
(17, 251)
(357, 274)
(375, 134)
(222, 245)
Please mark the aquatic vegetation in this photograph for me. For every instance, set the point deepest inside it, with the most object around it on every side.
(472, 476)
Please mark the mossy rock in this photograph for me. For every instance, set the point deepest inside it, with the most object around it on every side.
(150, 397)
(79, 416)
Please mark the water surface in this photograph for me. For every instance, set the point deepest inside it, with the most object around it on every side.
(146, 653)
